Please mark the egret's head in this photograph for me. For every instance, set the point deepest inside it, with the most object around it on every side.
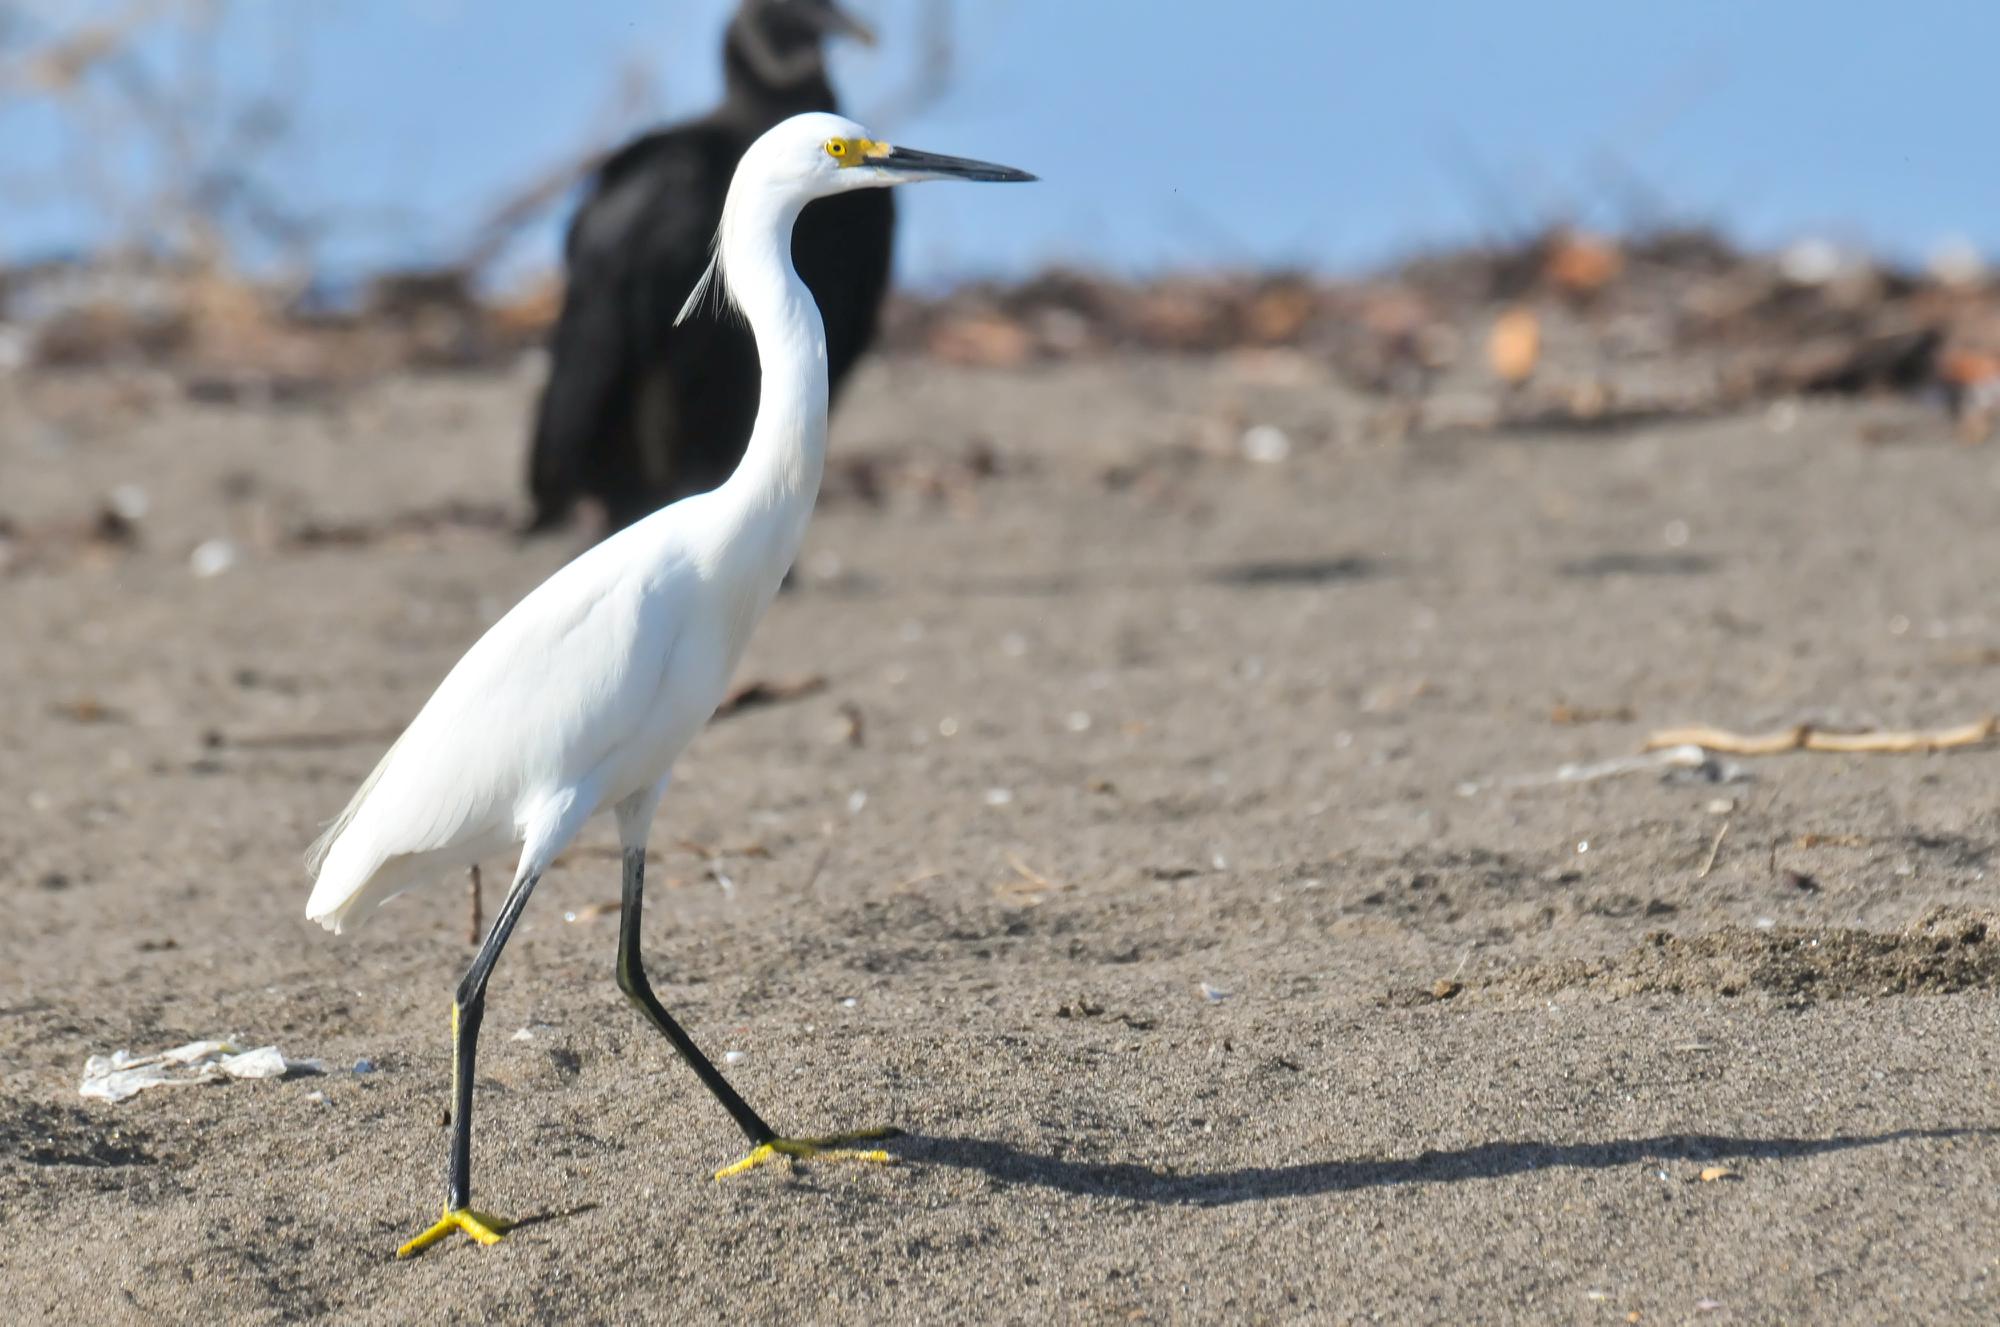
(826, 154)
(811, 156)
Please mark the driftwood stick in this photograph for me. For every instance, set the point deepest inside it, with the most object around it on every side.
(1804, 737)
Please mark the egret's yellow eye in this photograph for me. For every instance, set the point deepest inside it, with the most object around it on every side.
(855, 151)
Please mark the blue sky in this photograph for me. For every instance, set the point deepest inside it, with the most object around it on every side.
(1169, 135)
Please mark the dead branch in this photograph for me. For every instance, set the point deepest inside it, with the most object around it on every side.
(301, 741)
(524, 205)
(1804, 737)
(1714, 849)
(752, 694)
(631, 101)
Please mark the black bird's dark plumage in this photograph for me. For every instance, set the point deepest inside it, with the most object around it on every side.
(638, 412)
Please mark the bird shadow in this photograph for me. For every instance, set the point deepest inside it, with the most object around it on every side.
(1497, 1160)
(560, 1214)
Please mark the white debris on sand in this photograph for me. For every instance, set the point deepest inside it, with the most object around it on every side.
(1266, 444)
(212, 557)
(122, 1075)
(1676, 764)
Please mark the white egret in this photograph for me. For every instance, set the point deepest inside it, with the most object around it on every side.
(586, 692)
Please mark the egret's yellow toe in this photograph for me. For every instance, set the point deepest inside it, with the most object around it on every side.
(834, 1147)
(482, 1226)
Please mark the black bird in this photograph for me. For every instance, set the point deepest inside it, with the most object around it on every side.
(638, 412)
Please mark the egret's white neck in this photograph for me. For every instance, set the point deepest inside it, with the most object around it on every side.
(776, 483)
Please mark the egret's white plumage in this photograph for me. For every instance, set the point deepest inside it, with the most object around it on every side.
(584, 694)
(587, 691)
(583, 687)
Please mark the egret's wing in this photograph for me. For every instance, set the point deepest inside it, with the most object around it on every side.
(538, 703)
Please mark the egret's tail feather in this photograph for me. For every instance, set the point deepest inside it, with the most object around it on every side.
(345, 895)
(350, 875)
(322, 846)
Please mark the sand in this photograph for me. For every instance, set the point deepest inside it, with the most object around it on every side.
(1173, 851)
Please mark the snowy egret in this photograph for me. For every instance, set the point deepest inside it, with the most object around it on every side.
(639, 410)
(586, 692)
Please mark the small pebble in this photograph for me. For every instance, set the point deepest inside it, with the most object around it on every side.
(999, 796)
(129, 501)
(212, 557)
(734, 1057)
(364, 1066)
(1266, 444)
(1213, 994)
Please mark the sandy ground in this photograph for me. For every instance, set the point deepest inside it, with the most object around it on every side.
(1171, 853)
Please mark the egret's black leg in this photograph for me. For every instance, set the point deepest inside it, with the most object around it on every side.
(632, 981)
(765, 1142)
(468, 1009)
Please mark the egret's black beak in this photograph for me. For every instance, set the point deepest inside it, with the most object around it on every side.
(833, 21)
(931, 166)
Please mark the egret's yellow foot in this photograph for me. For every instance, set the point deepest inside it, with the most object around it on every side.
(482, 1226)
(831, 1148)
